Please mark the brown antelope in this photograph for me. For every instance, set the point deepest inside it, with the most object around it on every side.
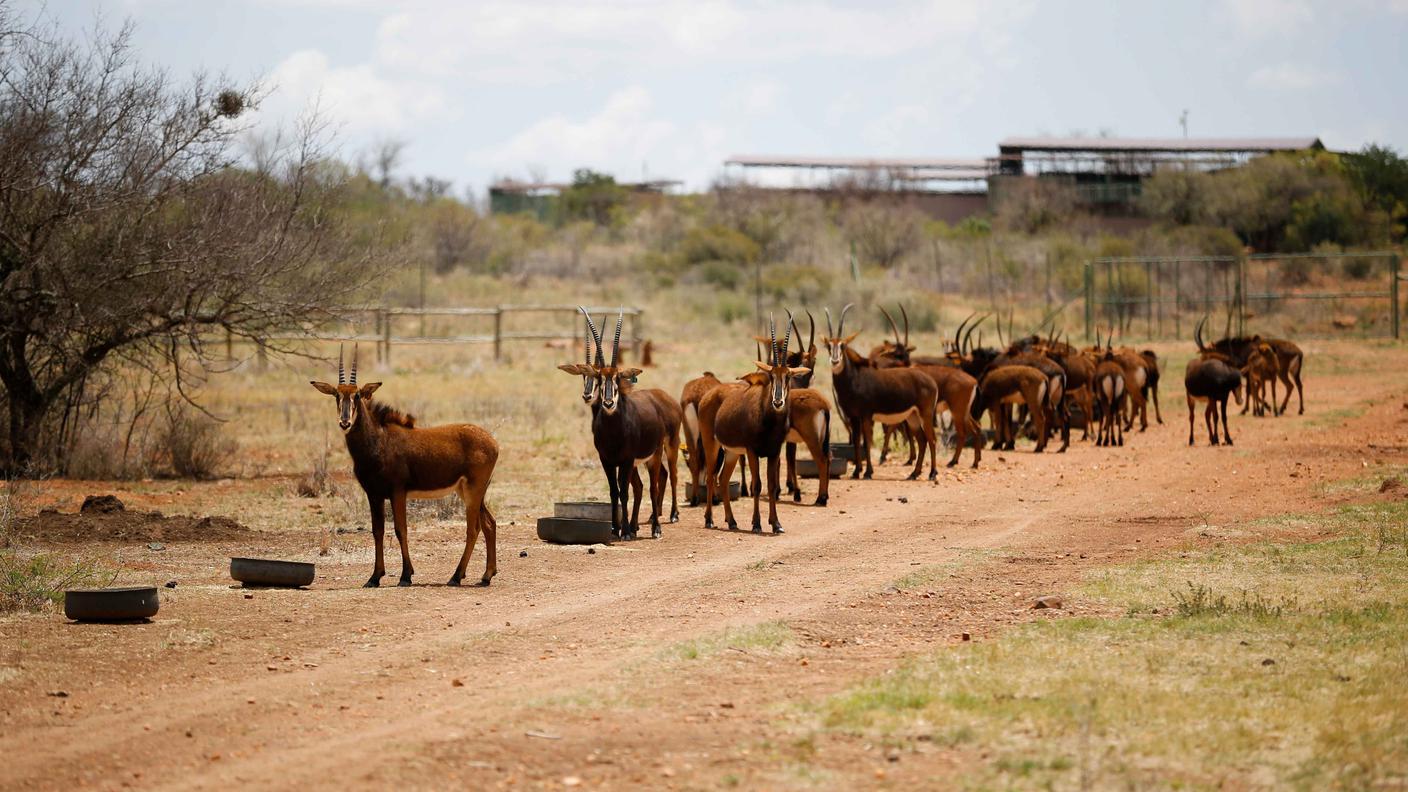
(1111, 389)
(958, 390)
(631, 426)
(393, 459)
(694, 392)
(1080, 373)
(1262, 367)
(749, 419)
(865, 394)
(1011, 385)
(1211, 377)
(1289, 360)
(809, 415)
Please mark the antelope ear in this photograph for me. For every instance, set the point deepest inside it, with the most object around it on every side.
(762, 366)
(571, 368)
(323, 387)
(367, 390)
(799, 371)
(909, 348)
(852, 337)
(762, 340)
(630, 373)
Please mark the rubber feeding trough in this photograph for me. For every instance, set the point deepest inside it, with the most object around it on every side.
(126, 603)
(580, 522)
(271, 573)
(733, 491)
(807, 468)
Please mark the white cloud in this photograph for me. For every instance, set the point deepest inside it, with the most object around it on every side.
(556, 40)
(1258, 18)
(616, 139)
(1290, 77)
(358, 98)
(756, 97)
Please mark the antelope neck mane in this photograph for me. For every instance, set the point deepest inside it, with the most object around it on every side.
(386, 415)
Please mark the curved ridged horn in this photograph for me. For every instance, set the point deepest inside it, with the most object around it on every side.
(792, 326)
(893, 326)
(811, 333)
(830, 331)
(841, 327)
(341, 377)
(586, 342)
(600, 356)
(905, 314)
(772, 339)
(1198, 333)
(616, 342)
(969, 335)
(786, 338)
(959, 332)
(354, 365)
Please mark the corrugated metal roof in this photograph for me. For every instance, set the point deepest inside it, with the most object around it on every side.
(857, 163)
(1161, 144)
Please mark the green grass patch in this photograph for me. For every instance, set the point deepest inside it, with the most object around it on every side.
(31, 582)
(1267, 665)
(765, 637)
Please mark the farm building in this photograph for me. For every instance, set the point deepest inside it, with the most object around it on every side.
(1105, 173)
(508, 196)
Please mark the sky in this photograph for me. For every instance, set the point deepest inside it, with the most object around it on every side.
(527, 89)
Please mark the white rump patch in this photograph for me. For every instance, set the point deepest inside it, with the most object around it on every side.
(691, 421)
(1141, 375)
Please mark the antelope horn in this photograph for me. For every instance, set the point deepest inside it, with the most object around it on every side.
(600, 356)
(956, 333)
(786, 338)
(616, 343)
(811, 332)
(830, 331)
(893, 326)
(841, 328)
(905, 314)
(973, 327)
(586, 343)
(772, 338)
(792, 328)
(341, 377)
(354, 365)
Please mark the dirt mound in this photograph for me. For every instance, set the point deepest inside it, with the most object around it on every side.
(105, 519)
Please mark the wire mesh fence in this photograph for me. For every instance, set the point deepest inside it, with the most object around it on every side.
(1314, 295)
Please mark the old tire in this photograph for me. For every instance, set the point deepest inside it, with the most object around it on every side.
(567, 530)
(269, 572)
(125, 603)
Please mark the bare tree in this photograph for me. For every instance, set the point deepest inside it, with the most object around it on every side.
(128, 230)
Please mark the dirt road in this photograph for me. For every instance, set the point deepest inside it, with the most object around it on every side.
(646, 664)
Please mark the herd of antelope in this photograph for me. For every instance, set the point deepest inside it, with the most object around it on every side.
(1035, 385)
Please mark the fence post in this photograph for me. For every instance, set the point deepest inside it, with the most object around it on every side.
(498, 331)
(1393, 279)
(1241, 295)
(1149, 296)
(386, 339)
(1089, 300)
(1177, 298)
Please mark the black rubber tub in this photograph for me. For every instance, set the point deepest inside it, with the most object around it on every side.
(269, 572)
(568, 530)
(123, 603)
(582, 510)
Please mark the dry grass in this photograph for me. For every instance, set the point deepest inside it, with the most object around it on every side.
(1276, 664)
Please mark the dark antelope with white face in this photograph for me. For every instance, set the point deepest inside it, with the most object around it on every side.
(394, 459)
(749, 419)
(865, 394)
(1211, 377)
(630, 426)
(1289, 360)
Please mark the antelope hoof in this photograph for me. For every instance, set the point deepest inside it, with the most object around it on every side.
(797, 496)
(777, 529)
(757, 528)
(933, 475)
(484, 582)
(821, 500)
(454, 581)
(374, 582)
(912, 476)
(868, 474)
(674, 516)
(655, 532)
(403, 582)
(709, 524)
(732, 525)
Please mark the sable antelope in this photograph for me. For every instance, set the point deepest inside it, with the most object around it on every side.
(957, 392)
(809, 415)
(694, 392)
(1289, 360)
(1080, 374)
(1111, 385)
(1151, 382)
(865, 394)
(1004, 386)
(1055, 410)
(394, 459)
(748, 418)
(631, 426)
(1262, 367)
(1211, 377)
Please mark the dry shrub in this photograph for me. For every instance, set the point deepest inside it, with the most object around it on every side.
(194, 444)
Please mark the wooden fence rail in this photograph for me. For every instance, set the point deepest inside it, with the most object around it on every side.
(384, 322)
